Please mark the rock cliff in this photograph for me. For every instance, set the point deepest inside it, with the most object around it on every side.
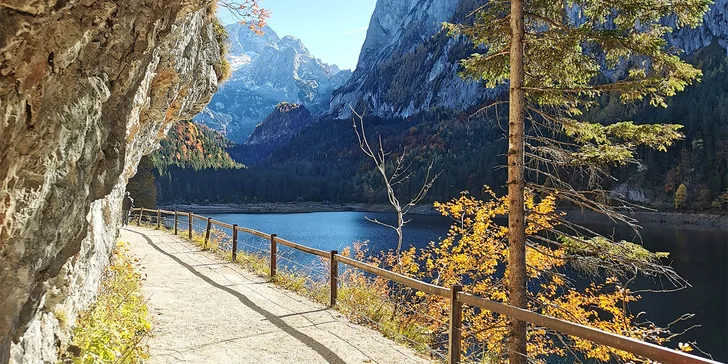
(86, 89)
(404, 47)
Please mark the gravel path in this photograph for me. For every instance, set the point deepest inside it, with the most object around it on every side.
(208, 311)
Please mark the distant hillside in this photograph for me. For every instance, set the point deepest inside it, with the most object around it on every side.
(193, 146)
(324, 163)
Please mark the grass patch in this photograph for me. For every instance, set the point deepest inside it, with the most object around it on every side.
(113, 329)
(220, 244)
(372, 302)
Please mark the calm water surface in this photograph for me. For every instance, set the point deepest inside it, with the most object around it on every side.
(700, 256)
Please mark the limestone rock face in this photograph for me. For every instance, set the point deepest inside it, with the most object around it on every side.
(405, 47)
(713, 29)
(86, 89)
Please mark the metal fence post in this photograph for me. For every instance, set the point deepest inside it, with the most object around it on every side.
(333, 277)
(189, 225)
(159, 218)
(235, 242)
(207, 231)
(175, 222)
(139, 219)
(273, 255)
(456, 320)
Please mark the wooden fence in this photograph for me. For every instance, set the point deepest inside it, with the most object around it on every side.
(455, 294)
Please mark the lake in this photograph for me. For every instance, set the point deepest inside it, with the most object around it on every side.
(699, 256)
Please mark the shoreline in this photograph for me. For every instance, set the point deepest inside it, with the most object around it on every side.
(646, 218)
(291, 208)
(657, 219)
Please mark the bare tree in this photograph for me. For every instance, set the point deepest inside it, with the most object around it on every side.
(400, 172)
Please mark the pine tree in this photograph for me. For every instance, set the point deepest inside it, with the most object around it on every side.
(554, 55)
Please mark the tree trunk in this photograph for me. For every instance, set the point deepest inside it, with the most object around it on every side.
(516, 187)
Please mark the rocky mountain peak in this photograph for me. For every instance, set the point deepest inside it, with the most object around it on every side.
(243, 41)
(268, 70)
(295, 43)
(405, 46)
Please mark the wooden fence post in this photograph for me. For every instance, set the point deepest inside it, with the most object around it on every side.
(139, 219)
(273, 255)
(189, 225)
(456, 320)
(333, 277)
(175, 222)
(207, 231)
(159, 218)
(235, 242)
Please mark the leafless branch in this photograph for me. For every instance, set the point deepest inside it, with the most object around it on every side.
(400, 173)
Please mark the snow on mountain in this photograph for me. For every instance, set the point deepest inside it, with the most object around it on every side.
(268, 70)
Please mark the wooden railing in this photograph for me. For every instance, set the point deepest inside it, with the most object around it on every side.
(455, 294)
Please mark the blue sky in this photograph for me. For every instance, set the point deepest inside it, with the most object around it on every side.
(333, 30)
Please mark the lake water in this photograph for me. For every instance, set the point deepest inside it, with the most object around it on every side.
(699, 256)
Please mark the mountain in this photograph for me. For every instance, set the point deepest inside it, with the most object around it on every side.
(286, 121)
(268, 70)
(324, 163)
(408, 65)
(713, 29)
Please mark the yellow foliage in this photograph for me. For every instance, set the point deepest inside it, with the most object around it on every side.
(477, 236)
(475, 254)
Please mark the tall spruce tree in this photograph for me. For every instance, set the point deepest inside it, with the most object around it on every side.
(558, 57)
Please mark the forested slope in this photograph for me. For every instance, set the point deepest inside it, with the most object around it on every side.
(194, 146)
(188, 147)
(700, 161)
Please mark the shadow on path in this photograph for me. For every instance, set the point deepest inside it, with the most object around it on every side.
(319, 348)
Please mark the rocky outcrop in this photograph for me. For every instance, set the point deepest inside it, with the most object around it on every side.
(86, 89)
(286, 121)
(268, 70)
